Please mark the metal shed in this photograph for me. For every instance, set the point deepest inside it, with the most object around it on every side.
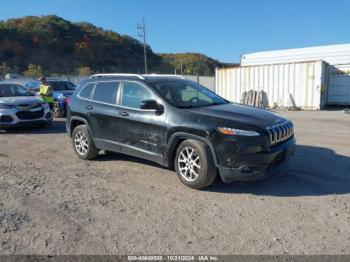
(338, 71)
(332, 54)
(300, 84)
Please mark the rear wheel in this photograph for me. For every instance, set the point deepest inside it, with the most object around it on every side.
(56, 110)
(194, 164)
(83, 145)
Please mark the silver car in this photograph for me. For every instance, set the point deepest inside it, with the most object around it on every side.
(19, 108)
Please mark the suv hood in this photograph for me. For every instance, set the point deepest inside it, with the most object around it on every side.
(243, 114)
(18, 100)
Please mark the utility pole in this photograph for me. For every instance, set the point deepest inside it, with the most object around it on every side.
(142, 35)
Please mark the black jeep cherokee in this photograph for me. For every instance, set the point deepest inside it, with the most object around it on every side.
(178, 124)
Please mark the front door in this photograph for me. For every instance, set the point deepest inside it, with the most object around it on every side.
(142, 132)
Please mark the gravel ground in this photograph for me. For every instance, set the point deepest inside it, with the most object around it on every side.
(53, 203)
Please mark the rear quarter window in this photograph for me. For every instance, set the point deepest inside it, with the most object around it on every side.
(86, 91)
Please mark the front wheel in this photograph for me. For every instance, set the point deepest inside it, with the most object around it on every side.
(83, 145)
(194, 164)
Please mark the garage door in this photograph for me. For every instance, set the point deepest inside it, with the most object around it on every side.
(339, 85)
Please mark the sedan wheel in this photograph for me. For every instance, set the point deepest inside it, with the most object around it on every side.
(56, 112)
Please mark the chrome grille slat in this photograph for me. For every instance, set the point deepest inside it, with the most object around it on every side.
(280, 132)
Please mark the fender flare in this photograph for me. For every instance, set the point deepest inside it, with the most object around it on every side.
(81, 119)
(181, 135)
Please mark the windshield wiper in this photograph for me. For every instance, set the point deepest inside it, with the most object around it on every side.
(216, 104)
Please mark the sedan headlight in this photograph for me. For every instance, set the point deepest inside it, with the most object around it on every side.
(237, 132)
(44, 105)
(5, 106)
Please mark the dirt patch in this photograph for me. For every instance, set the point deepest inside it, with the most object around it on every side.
(12, 220)
(51, 202)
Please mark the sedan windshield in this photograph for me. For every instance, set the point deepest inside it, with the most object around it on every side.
(187, 94)
(10, 90)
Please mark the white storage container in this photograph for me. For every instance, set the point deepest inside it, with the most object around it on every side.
(332, 54)
(301, 84)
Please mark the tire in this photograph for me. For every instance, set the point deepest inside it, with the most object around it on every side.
(194, 164)
(56, 111)
(82, 143)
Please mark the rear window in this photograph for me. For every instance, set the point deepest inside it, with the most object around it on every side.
(87, 90)
(106, 92)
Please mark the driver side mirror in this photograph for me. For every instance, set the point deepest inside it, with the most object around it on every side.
(152, 105)
(31, 92)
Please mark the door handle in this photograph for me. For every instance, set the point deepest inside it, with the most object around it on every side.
(123, 113)
(88, 107)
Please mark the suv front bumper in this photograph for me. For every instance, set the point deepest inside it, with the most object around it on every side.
(259, 165)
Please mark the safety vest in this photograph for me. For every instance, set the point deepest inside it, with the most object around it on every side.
(46, 94)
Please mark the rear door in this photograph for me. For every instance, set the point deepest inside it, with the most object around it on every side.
(104, 112)
(142, 132)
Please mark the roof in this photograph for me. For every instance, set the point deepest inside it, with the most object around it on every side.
(147, 78)
(332, 54)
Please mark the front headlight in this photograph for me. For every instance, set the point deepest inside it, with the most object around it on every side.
(4, 106)
(237, 132)
(45, 105)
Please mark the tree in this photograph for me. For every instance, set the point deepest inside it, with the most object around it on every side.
(33, 71)
(84, 71)
(59, 46)
(5, 69)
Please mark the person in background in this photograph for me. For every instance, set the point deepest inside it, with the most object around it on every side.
(45, 91)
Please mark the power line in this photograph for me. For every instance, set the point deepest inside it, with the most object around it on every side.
(142, 35)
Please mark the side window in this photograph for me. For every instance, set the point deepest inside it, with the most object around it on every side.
(86, 92)
(106, 92)
(33, 85)
(134, 94)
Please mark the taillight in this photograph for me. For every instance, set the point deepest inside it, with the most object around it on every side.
(68, 100)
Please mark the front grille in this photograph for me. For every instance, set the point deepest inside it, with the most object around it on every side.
(28, 115)
(28, 106)
(280, 132)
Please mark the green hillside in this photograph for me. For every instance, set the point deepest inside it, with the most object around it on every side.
(193, 63)
(51, 45)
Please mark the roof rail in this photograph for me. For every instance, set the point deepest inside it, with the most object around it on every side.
(177, 76)
(116, 74)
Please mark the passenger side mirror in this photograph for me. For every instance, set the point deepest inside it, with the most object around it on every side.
(151, 105)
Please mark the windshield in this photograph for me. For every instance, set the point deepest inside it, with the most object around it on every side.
(9, 90)
(187, 94)
(62, 85)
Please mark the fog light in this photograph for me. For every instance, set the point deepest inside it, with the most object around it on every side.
(6, 119)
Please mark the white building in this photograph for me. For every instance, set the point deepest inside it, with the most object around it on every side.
(309, 77)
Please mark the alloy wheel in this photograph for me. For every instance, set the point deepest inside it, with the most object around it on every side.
(55, 110)
(189, 164)
(81, 143)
